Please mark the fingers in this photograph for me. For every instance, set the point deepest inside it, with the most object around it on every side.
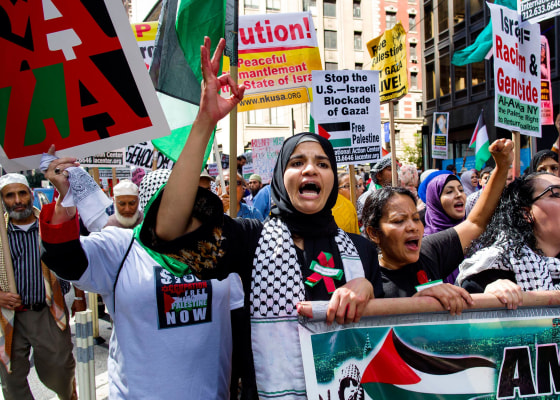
(304, 308)
(52, 150)
(217, 57)
(508, 292)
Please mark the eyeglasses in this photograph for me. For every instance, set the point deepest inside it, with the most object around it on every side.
(239, 183)
(554, 192)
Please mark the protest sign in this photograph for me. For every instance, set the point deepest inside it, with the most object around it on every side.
(108, 159)
(142, 155)
(439, 135)
(547, 116)
(346, 111)
(145, 34)
(517, 79)
(538, 10)
(265, 153)
(120, 173)
(277, 53)
(493, 354)
(71, 75)
(213, 169)
(388, 56)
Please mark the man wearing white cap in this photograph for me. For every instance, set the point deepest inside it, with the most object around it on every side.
(127, 215)
(35, 316)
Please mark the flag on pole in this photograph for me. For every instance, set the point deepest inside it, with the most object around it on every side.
(175, 70)
(480, 143)
(477, 51)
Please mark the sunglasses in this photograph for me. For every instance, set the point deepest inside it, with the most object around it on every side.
(554, 192)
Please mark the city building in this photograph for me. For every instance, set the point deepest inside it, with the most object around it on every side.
(449, 26)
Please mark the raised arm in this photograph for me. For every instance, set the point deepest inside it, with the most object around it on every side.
(475, 224)
(174, 216)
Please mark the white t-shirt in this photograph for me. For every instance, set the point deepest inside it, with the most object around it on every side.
(171, 336)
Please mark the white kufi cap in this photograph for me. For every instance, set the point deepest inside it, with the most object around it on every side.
(125, 188)
(8, 179)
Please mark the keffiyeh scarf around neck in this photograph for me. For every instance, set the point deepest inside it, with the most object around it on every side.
(532, 271)
(276, 287)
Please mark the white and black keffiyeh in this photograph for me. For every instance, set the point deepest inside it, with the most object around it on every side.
(532, 271)
(276, 288)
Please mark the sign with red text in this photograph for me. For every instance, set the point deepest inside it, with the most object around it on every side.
(265, 154)
(517, 72)
(71, 75)
(277, 53)
(346, 112)
(145, 34)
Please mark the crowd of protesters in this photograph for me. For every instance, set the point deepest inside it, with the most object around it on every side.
(192, 291)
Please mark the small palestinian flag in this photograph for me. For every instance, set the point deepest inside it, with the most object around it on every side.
(336, 132)
(398, 371)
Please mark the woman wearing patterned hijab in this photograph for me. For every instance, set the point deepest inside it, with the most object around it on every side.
(297, 254)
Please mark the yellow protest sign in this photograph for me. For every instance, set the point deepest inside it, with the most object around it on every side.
(388, 56)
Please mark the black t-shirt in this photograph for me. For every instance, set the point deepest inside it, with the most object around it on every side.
(223, 245)
(440, 254)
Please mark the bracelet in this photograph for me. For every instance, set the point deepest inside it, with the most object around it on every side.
(78, 298)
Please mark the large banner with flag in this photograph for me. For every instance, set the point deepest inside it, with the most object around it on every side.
(388, 56)
(494, 354)
(345, 109)
(71, 75)
(517, 51)
(277, 53)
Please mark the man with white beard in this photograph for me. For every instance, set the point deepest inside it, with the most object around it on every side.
(127, 214)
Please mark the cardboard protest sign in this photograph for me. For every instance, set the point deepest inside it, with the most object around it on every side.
(142, 155)
(265, 153)
(277, 53)
(109, 159)
(71, 75)
(439, 135)
(547, 115)
(145, 34)
(538, 10)
(388, 56)
(517, 50)
(345, 109)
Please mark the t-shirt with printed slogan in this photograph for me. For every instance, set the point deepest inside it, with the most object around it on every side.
(440, 254)
(171, 335)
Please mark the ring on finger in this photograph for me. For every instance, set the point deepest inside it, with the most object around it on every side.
(57, 171)
(66, 173)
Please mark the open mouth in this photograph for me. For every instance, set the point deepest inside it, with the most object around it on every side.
(309, 188)
(459, 206)
(413, 244)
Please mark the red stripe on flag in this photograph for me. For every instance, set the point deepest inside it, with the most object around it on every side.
(323, 132)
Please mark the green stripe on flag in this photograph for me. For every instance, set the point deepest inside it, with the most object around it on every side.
(347, 142)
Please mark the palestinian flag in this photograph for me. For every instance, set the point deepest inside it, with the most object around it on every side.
(399, 371)
(336, 133)
(480, 143)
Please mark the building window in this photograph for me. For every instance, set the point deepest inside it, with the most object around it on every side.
(428, 22)
(460, 77)
(357, 10)
(414, 80)
(430, 81)
(358, 66)
(273, 5)
(443, 11)
(329, 8)
(330, 40)
(444, 75)
(419, 110)
(476, 6)
(478, 73)
(255, 117)
(310, 5)
(412, 22)
(413, 53)
(276, 116)
(267, 116)
(390, 19)
(458, 11)
(330, 66)
(358, 41)
(252, 4)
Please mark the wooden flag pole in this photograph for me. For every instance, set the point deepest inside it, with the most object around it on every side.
(353, 183)
(154, 159)
(516, 153)
(394, 176)
(233, 152)
(92, 297)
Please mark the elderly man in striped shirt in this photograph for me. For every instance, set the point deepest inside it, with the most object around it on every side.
(36, 316)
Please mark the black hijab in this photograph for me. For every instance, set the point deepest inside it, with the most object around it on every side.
(540, 157)
(305, 225)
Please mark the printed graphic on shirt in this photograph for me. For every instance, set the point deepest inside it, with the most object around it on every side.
(182, 300)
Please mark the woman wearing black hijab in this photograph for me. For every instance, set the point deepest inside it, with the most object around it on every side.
(297, 254)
